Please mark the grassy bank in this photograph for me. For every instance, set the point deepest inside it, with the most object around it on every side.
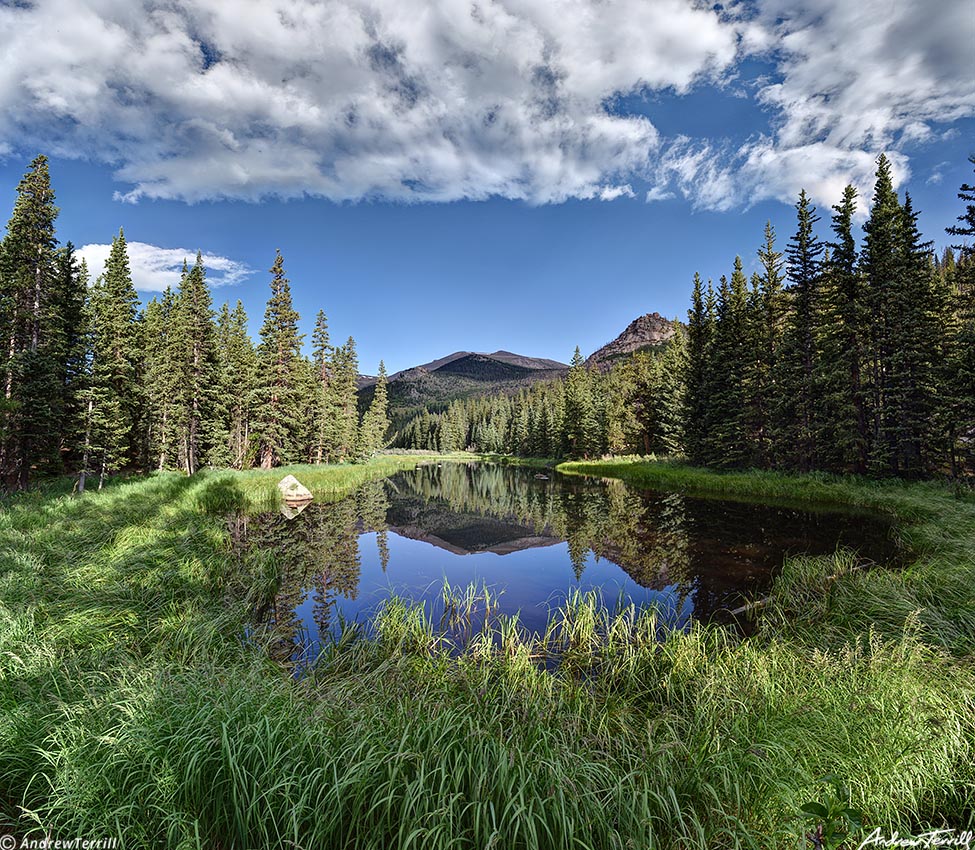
(130, 708)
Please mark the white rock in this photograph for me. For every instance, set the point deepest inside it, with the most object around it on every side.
(293, 490)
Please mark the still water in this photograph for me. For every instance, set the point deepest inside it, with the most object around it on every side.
(531, 537)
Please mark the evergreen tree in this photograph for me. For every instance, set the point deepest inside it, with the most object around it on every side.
(236, 378)
(766, 317)
(798, 402)
(846, 316)
(115, 395)
(344, 402)
(581, 413)
(277, 406)
(162, 378)
(375, 423)
(726, 442)
(33, 360)
(911, 371)
(959, 365)
(197, 365)
(880, 265)
(700, 340)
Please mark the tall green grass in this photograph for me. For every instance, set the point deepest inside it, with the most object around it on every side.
(131, 707)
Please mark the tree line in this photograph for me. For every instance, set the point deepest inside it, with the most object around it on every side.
(835, 356)
(94, 385)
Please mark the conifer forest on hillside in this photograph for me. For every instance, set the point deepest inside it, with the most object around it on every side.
(848, 352)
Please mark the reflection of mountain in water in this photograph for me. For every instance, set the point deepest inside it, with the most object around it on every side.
(461, 532)
(714, 552)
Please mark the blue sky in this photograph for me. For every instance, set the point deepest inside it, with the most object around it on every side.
(463, 176)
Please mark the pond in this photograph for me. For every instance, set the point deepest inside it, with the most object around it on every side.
(531, 538)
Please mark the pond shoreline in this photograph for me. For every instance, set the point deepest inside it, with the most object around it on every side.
(122, 678)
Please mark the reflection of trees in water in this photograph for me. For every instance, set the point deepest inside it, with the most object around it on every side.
(316, 551)
(715, 550)
(645, 536)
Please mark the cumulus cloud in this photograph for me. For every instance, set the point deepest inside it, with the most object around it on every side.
(154, 268)
(350, 99)
(854, 80)
(438, 100)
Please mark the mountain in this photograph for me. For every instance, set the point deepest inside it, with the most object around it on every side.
(642, 334)
(459, 375)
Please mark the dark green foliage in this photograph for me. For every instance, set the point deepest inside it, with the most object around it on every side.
(32, 292)
(799, 403)
(196, 366)
(113, 403)
(375, 424)
(278, 405)
(844, 438)
(236, 378)
(162, 379)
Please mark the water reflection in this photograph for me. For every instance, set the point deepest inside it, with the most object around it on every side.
(534, 538)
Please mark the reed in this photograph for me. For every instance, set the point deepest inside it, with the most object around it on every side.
(131, 707)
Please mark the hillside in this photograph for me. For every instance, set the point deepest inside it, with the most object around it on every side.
(642, 334)
(459, 375)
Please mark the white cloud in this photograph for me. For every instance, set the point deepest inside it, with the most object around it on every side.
(415, 100)
(350, 99)
(154, 268)
(855, 80)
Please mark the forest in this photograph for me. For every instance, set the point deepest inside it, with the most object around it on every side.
(94, 385)
(835, 356)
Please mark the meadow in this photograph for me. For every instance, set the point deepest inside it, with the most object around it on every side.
(135, 705)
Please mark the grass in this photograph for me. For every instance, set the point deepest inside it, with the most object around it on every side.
(130, 708)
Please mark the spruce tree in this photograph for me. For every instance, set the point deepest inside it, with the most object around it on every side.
(344, 402)
(912, 371)
(197, 365)
(375, 423)
(582, 413)
(162, 378)
(700, 340)
(767, 313)
(32, 332)
(236, 362)
(276, 402)
(116, 396)
(726, 442)
(846, 315)
(880, 265)
(959, 367)
(798, 402)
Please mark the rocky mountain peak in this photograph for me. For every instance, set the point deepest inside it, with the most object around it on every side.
(645, 331)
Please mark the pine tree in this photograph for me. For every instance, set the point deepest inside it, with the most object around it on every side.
(798, 402)
(115, 395)
(375, 423)
(700, 340)
(581, 413)
(879, 263)
(959, 367)
(31, 327)
(162, 378)
(67, 316)
(277, 404)
(767, 311)
(197, 365)
(236, 375)
(726, 443)
(344, 402)
(847, 432)
(912, 379)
